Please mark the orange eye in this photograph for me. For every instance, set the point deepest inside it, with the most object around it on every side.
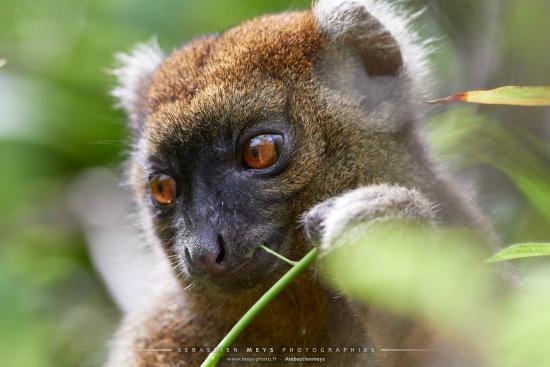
(163, 190)
(262, 151)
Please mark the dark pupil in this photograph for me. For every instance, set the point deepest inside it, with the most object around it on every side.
(254, 149)
(257, 141)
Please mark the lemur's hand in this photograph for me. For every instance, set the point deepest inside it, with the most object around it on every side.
(371, 204)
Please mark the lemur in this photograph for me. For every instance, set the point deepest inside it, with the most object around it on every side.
(281, 131)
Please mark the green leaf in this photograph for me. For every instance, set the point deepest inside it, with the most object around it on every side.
(415, 271)
(520, 251)
(517, 96)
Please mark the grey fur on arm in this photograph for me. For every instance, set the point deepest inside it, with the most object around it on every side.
(370, 204)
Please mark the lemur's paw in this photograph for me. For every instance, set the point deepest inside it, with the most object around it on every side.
(378, 203)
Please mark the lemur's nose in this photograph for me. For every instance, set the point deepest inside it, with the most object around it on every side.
(210, 258)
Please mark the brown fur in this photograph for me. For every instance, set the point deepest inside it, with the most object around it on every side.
(264, 66)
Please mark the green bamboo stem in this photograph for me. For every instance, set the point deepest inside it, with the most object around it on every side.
(278, 255)
(215, 356)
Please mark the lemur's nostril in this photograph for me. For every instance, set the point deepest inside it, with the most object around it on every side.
(208, 257)
(221, 254)
(187, 254)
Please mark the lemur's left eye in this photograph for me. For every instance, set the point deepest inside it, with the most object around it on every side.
(163, 190)
(262, 151)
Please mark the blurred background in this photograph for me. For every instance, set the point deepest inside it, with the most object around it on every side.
(62, 146)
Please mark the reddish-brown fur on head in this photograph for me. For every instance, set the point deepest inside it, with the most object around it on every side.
(281, 47)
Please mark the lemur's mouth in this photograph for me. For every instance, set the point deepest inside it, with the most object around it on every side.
(241, 269)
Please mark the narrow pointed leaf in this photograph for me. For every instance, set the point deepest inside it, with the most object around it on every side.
(517, 96)
(520, 251)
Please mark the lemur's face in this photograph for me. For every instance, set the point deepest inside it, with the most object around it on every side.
(223, 183)
(224, 162)
(238, 134)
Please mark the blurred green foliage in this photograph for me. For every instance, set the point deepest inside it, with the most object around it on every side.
(57, 120)
(440, 277)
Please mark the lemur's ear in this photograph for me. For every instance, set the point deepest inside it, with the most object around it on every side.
(133, 72)
(372, 58)
(358, 25)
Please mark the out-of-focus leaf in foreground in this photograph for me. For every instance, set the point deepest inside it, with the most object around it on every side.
(520, 251)
(3, 62)
(380, 265)
(516, 96)
(520, 335)
(440, 277)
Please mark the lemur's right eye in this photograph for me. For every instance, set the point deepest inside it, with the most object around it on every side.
(262, 151)
(163, 190)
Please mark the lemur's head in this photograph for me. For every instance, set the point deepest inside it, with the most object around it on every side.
(237, 134)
